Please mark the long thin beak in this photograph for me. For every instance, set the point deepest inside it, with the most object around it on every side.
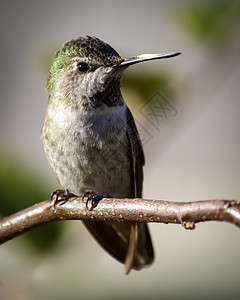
(145, 57)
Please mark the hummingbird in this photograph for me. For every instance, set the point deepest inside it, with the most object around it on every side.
(91, 140)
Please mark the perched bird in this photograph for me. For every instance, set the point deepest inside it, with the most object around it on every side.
(91, 140)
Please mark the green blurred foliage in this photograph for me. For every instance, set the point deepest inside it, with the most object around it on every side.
(20, 188)
(204, 19)
(147, 83)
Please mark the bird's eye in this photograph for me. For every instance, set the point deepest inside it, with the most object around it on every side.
(82, 67)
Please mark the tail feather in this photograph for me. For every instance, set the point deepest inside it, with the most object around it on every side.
(129, 243)
(132, 247)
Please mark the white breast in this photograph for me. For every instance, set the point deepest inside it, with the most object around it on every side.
(92, 150)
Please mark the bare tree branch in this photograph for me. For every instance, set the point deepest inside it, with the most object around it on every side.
(129, 210)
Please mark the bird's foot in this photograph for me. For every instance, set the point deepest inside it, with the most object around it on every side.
(60, 197)
(92, 199)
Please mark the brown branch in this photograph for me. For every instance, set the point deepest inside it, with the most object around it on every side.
(130, 210)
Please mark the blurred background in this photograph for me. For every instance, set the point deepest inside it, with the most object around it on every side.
(187, 109)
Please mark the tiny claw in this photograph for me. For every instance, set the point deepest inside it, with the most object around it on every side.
(92, 199)
(60, 197)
